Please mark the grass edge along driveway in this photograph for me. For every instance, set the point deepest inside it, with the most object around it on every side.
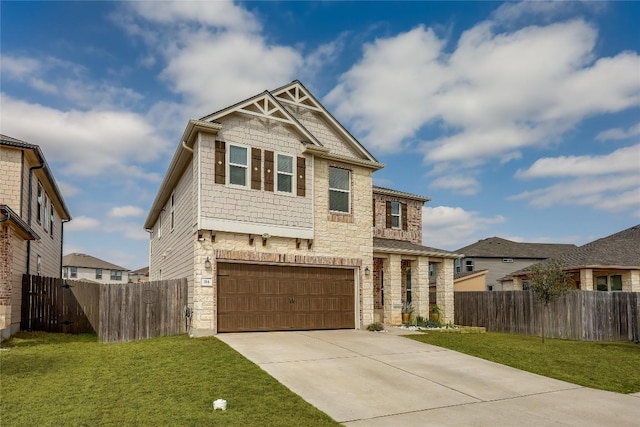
(612, 366)
(57, 379)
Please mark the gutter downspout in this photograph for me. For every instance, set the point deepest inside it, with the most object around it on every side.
(62, 242)
(31, 169)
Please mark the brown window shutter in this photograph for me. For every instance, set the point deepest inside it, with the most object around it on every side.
(268, 171)
(403, 210)
(220, 160)
(374, 212)
(388, 214)
(256, 169)
(302, 177)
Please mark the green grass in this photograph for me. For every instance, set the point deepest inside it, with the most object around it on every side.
(56, 379)
(613, 366)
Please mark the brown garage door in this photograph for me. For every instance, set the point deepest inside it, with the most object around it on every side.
(279, 298)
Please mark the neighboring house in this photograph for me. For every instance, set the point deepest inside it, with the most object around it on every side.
(139, 276)
(267, 209)
(32, 213)
(86, 267)
(470, 281)
(501, 256)
(608, 264)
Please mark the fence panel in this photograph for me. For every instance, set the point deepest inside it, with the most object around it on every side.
(134, 311)
(578, 315)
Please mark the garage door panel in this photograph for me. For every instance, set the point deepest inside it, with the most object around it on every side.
(266, 297)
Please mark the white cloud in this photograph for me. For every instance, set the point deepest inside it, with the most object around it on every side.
(453, 227)
(625, 159)
(82, 223)
(86, 142)
(496, 93)
(618, 133)
(125, 211)
(513, 11)
(465, 185)
(128, 230)
(67, 189)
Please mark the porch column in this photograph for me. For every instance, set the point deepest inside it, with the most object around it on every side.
(586, 279)
(444, 290)
(393, 290)
(516, 285)
(420, 287)
(631, 281)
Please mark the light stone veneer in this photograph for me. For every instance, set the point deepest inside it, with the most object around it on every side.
(337, 242)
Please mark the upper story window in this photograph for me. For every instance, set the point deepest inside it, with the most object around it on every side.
(116, 275)
(284, 177)
(339, 189)
(39, 266)
(45, 222)
(98, 273)
(469, 265)
(39, 202)
(457, 265)
(159, 224)
(396, 215)
(73, 272)
(51, 215)
(238, 165)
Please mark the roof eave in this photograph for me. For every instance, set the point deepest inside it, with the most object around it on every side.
(324, 153)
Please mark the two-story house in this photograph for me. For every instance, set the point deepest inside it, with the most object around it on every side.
(501, 256)
(32, 214)
(267, 209)
(78, 266)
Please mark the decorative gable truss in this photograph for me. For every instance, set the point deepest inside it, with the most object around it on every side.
(267, 107)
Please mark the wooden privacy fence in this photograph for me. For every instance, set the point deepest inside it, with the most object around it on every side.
(116, 312)
(578, 315)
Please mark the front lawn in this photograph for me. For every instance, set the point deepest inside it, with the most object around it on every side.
(613, 366)
(56, 379)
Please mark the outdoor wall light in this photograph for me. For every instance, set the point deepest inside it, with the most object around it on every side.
(207, 264)
(367, 271)
(265, 237)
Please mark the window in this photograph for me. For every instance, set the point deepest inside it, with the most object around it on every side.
(408, 285)
(116, 275)
(238, 165)
(39, 266)
(65, 272)
(339, 189)
(525, 285)
(45, 220)
(396, 215)
(51, 219)
(469, 264)
(284, 178)
(456, 263)
(159, 224)
(432, 270)
(172, 212)
(98, 273)
(609, 283)
(39, 202)
(73, 272)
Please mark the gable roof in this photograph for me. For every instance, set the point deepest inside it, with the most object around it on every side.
(88, 261)
(404, 247)
(496, 247)
(619, 250)
(10, 141)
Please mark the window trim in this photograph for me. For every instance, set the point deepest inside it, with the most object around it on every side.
(247, 177)
(51, 219)
(172, 211)
(469, 263)
(45, 216)
(39, 200)
(292, 174)
(349, 207)
(73, 272)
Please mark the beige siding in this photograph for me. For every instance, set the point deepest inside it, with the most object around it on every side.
(48, 247)
(497, 268)
(172, 250)
(89, 274)
(315, 123)
(230, 208)
(473, 283)
(11, 178)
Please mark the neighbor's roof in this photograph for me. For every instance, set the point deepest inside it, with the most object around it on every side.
(396, 193)
(88, 261)
(619, 250)
(144, 271)
(10, 141)
(496, 247)
(469, 274)
(404, 247)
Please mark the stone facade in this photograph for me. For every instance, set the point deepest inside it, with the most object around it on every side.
(413, 233)
(11, 182)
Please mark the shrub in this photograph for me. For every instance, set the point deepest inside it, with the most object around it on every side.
(375, 327)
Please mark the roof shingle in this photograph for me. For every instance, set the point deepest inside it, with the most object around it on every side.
(496, 247)
(88, 261)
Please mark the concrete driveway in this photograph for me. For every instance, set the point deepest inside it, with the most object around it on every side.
(380, 379)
